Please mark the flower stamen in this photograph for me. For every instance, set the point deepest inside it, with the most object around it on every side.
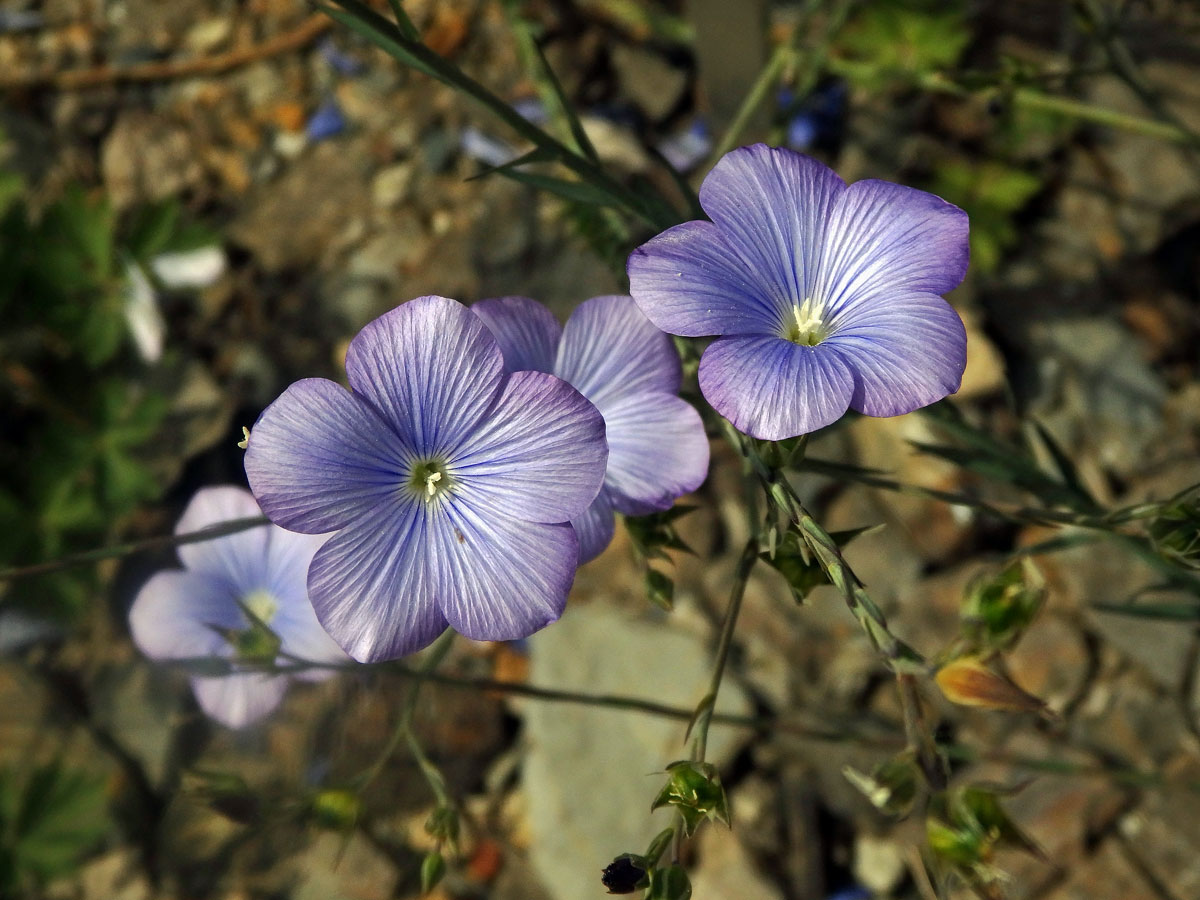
(429, 478)
(808, 329)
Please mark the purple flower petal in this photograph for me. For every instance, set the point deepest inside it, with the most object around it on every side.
(239, 558)
(885, 239)
(610, 349)
(504, 579)
(688, 281)
(771, 206)
(172, 614)
(319, 456)
(905, 353)
(239, 700)
(431, 367)
(772, 389)
(595, 527)
(527, 332)
(375, 584)
(539, 456)
(295, 621)
(657, 451)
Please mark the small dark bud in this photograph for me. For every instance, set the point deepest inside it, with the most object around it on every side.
(625, 874)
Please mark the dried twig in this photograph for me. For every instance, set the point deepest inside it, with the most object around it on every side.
(82, 79)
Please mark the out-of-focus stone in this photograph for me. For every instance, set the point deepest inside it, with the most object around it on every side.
(649, 80)
(118, 875)
(1164, 831)
(879, 864)
(391, 184)
(1105, 875)
(725, 869)
(591, 773)
(146, 158)
(1050, 661)
(350, 867)
(287, 223)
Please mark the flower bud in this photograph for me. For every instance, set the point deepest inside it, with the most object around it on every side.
(626, 874)
(433, 869)
(671, 883)
(695, 790)
(442, 825)
(891, 786)
(968, 682)
(336, 809)
(1176, 532)
(997, 611)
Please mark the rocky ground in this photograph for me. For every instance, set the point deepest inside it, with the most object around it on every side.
(339, 184)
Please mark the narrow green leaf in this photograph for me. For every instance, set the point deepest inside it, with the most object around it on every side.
(407, 28)
(578, 191)
(1176, 612)
(565, 109)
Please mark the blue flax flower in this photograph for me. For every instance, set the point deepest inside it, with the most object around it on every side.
(825, 296)
(238, 596)
(449, 484)
(614, 356)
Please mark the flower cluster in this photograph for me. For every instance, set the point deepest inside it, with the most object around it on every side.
(451, 473)
(480, 454)
(241, 599)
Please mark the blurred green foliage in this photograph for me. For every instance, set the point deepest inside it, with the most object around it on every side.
(900, 39)
(991, 192)
(48, 819)
(77, 411)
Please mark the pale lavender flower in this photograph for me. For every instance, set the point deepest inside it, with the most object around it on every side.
(449, 483)
(207, 609)
(825, 296)
(614, 356)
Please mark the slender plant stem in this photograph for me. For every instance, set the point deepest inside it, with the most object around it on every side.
(704, 712)
(404, 731)
(1027, 98)
(88, 557)
(916, 730)
(768, 79)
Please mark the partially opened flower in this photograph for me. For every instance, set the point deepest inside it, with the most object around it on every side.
(825, 295)
(240, 598)
(614, 356)
(449, 483)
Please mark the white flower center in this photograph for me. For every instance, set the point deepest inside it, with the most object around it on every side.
(261, 604)
(430, 478)
(807, 327)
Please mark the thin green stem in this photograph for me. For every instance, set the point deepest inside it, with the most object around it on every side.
(168, 540)
(704, 712)
(763, 87)
(404, 730)
(1027, 98)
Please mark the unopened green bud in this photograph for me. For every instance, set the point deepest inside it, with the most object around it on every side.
(336, 809)
(433, 870)
(964, 829)
(695, 790)
(660, 589)
(891, 786)
(442, 825)
(1176, 532)
(996, 611)
(671, 883)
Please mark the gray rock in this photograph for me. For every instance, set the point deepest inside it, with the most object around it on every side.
(591, 773)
